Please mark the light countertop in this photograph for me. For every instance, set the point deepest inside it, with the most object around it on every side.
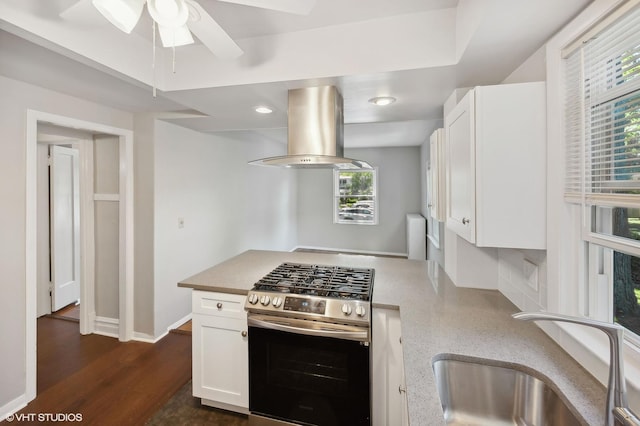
(436, 317)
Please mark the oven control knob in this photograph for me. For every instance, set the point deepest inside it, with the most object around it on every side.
(346, 309)
(265, 300)
(253, 298)
(360, 311)
(277, 301)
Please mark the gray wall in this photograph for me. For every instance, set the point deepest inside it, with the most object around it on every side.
(106, 159)
(398, 194)
(143, 153)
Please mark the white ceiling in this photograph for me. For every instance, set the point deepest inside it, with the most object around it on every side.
(415, 50)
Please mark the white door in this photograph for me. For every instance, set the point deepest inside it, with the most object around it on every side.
(64, 190)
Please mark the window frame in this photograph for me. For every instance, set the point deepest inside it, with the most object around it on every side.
(337, 196)
(583, 136)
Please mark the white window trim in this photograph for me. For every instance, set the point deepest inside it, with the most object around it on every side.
(336, 196)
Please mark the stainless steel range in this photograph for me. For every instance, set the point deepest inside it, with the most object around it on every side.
(309, 335)
(328, 293)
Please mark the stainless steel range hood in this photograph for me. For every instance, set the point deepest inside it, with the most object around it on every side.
(315, 136)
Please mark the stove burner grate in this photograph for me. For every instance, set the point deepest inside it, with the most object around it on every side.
(319, 280)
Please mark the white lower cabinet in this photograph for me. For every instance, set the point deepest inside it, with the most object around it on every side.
(220, 350)
(389, 397)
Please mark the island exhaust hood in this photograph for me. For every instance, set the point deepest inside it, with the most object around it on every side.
(315, 136)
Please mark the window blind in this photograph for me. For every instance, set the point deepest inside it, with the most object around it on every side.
(602, 117)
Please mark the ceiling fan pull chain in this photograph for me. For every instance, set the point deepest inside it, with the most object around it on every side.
(153, 65)
(173, 48)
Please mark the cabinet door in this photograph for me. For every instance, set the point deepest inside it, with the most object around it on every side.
(388, 406)
(220, 360)
(460, 168)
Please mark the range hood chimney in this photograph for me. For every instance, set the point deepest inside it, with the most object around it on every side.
(315, 136)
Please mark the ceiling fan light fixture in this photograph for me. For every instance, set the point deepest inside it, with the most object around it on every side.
(168, 13)
(124, 14)
(174, 37)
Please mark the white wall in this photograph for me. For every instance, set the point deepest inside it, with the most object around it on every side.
(398, 194)
(16, 98)
(227, 206)
(512, 281)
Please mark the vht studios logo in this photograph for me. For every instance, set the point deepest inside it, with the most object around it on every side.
(44, 417)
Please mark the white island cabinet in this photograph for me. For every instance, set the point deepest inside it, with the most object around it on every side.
(389, 397)
(220, 350)
(496, 166)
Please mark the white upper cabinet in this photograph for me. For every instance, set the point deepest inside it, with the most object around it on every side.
(437, 191)
(495, 161)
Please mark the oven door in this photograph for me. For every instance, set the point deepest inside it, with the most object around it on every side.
(301, 372)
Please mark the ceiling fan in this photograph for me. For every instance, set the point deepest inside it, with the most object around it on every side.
(176, 20)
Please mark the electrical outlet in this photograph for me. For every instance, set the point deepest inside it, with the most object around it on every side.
(181, 222)
(530, 272)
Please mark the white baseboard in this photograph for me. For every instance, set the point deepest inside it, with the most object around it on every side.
(13, 406)
(144, 337)
(350, 251)
(148, 338)
(179, 322)
(109, 327)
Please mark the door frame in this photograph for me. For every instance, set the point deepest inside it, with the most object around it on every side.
(125, 327)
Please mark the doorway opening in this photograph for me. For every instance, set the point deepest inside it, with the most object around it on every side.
(95, 206)
(62, 205)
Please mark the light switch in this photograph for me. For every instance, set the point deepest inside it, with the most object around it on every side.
(181, 222)
(530, 272)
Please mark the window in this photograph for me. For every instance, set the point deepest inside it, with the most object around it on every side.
(602, 122)
(355, 200)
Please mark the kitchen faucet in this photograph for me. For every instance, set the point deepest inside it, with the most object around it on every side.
(618, 412)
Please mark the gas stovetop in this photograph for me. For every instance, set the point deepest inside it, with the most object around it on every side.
(318, 280)
(332, 293)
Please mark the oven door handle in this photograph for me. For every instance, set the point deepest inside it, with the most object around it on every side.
(309, 328)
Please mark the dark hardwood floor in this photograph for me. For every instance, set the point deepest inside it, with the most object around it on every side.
(106, 381)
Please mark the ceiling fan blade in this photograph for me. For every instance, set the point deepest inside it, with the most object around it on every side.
(298, 7)
(83, 13)
(210, 33)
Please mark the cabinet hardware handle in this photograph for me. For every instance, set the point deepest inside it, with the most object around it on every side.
(401, 389)
(243, 333)
(219, 305)
(465, 220)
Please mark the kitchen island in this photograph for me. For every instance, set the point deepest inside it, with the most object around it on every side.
(436, 317)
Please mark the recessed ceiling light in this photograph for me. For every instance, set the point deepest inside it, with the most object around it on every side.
(382, 100)
(264, 110)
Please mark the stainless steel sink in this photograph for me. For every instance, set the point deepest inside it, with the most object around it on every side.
(476, 391)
